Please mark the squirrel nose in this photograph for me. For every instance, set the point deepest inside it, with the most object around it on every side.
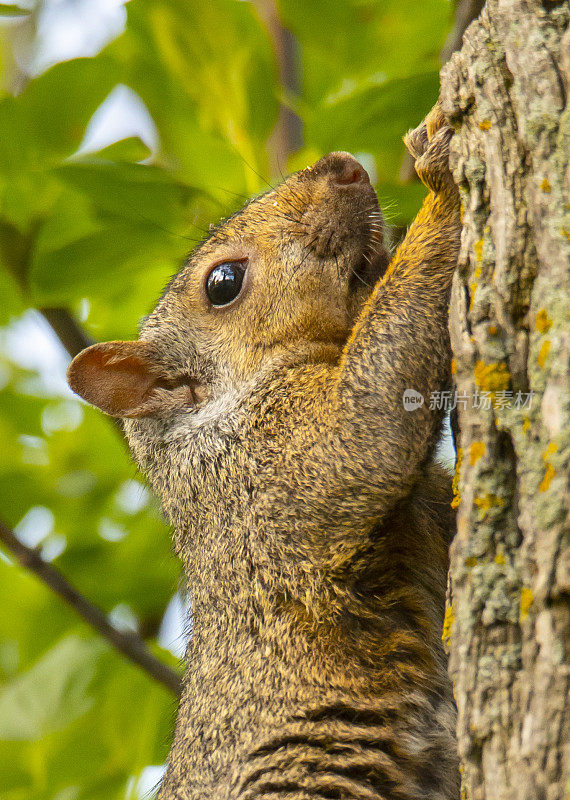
(346, 171)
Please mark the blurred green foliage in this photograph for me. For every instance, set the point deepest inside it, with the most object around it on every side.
(99, 234)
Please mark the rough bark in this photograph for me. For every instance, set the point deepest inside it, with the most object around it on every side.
(508, 620)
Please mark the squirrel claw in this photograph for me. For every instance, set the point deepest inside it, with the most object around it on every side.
(429, 145)
(435, 120)
(417, 140)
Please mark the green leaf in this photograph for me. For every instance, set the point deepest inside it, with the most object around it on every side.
(60, 276)
(144, 194)
(364, 41)
(27, 598)
(374, 119)
(96, 750)
(11, 301)
(51, 694)
(14, 775)
(123, 218)
(25, 195)
(13, 247)
(12, 10)
(48, 120)
(130, 149)
(71, 216)
(210, 86)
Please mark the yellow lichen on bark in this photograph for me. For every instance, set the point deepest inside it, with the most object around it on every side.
(549, 473)
(455, 485)
(526, 601)
(543, 321)
(478, 247)
(492, 377)
(551, 448)
(476, 451)
(447, 625)
(543, 354)
(488, 501)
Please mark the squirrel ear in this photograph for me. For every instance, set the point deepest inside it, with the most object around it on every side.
(118, 377)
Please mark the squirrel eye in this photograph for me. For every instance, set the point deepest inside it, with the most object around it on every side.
(224, 282)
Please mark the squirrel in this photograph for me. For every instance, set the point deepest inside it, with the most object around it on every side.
(264, 402)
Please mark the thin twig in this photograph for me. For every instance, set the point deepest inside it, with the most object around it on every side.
(129, 644)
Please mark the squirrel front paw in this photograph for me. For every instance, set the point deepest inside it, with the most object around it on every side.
(429, 145)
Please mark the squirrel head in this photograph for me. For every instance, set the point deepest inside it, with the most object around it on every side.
(281, 279)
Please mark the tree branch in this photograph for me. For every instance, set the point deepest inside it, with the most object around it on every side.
(287, 136)
(73, 338)
(129, 644)
(69, 333)
(465, 12)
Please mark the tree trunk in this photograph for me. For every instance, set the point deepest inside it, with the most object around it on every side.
(508, 619)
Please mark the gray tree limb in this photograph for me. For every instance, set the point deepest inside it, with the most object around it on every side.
(508, 624)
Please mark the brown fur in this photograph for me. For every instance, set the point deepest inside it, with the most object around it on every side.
(312, 526)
